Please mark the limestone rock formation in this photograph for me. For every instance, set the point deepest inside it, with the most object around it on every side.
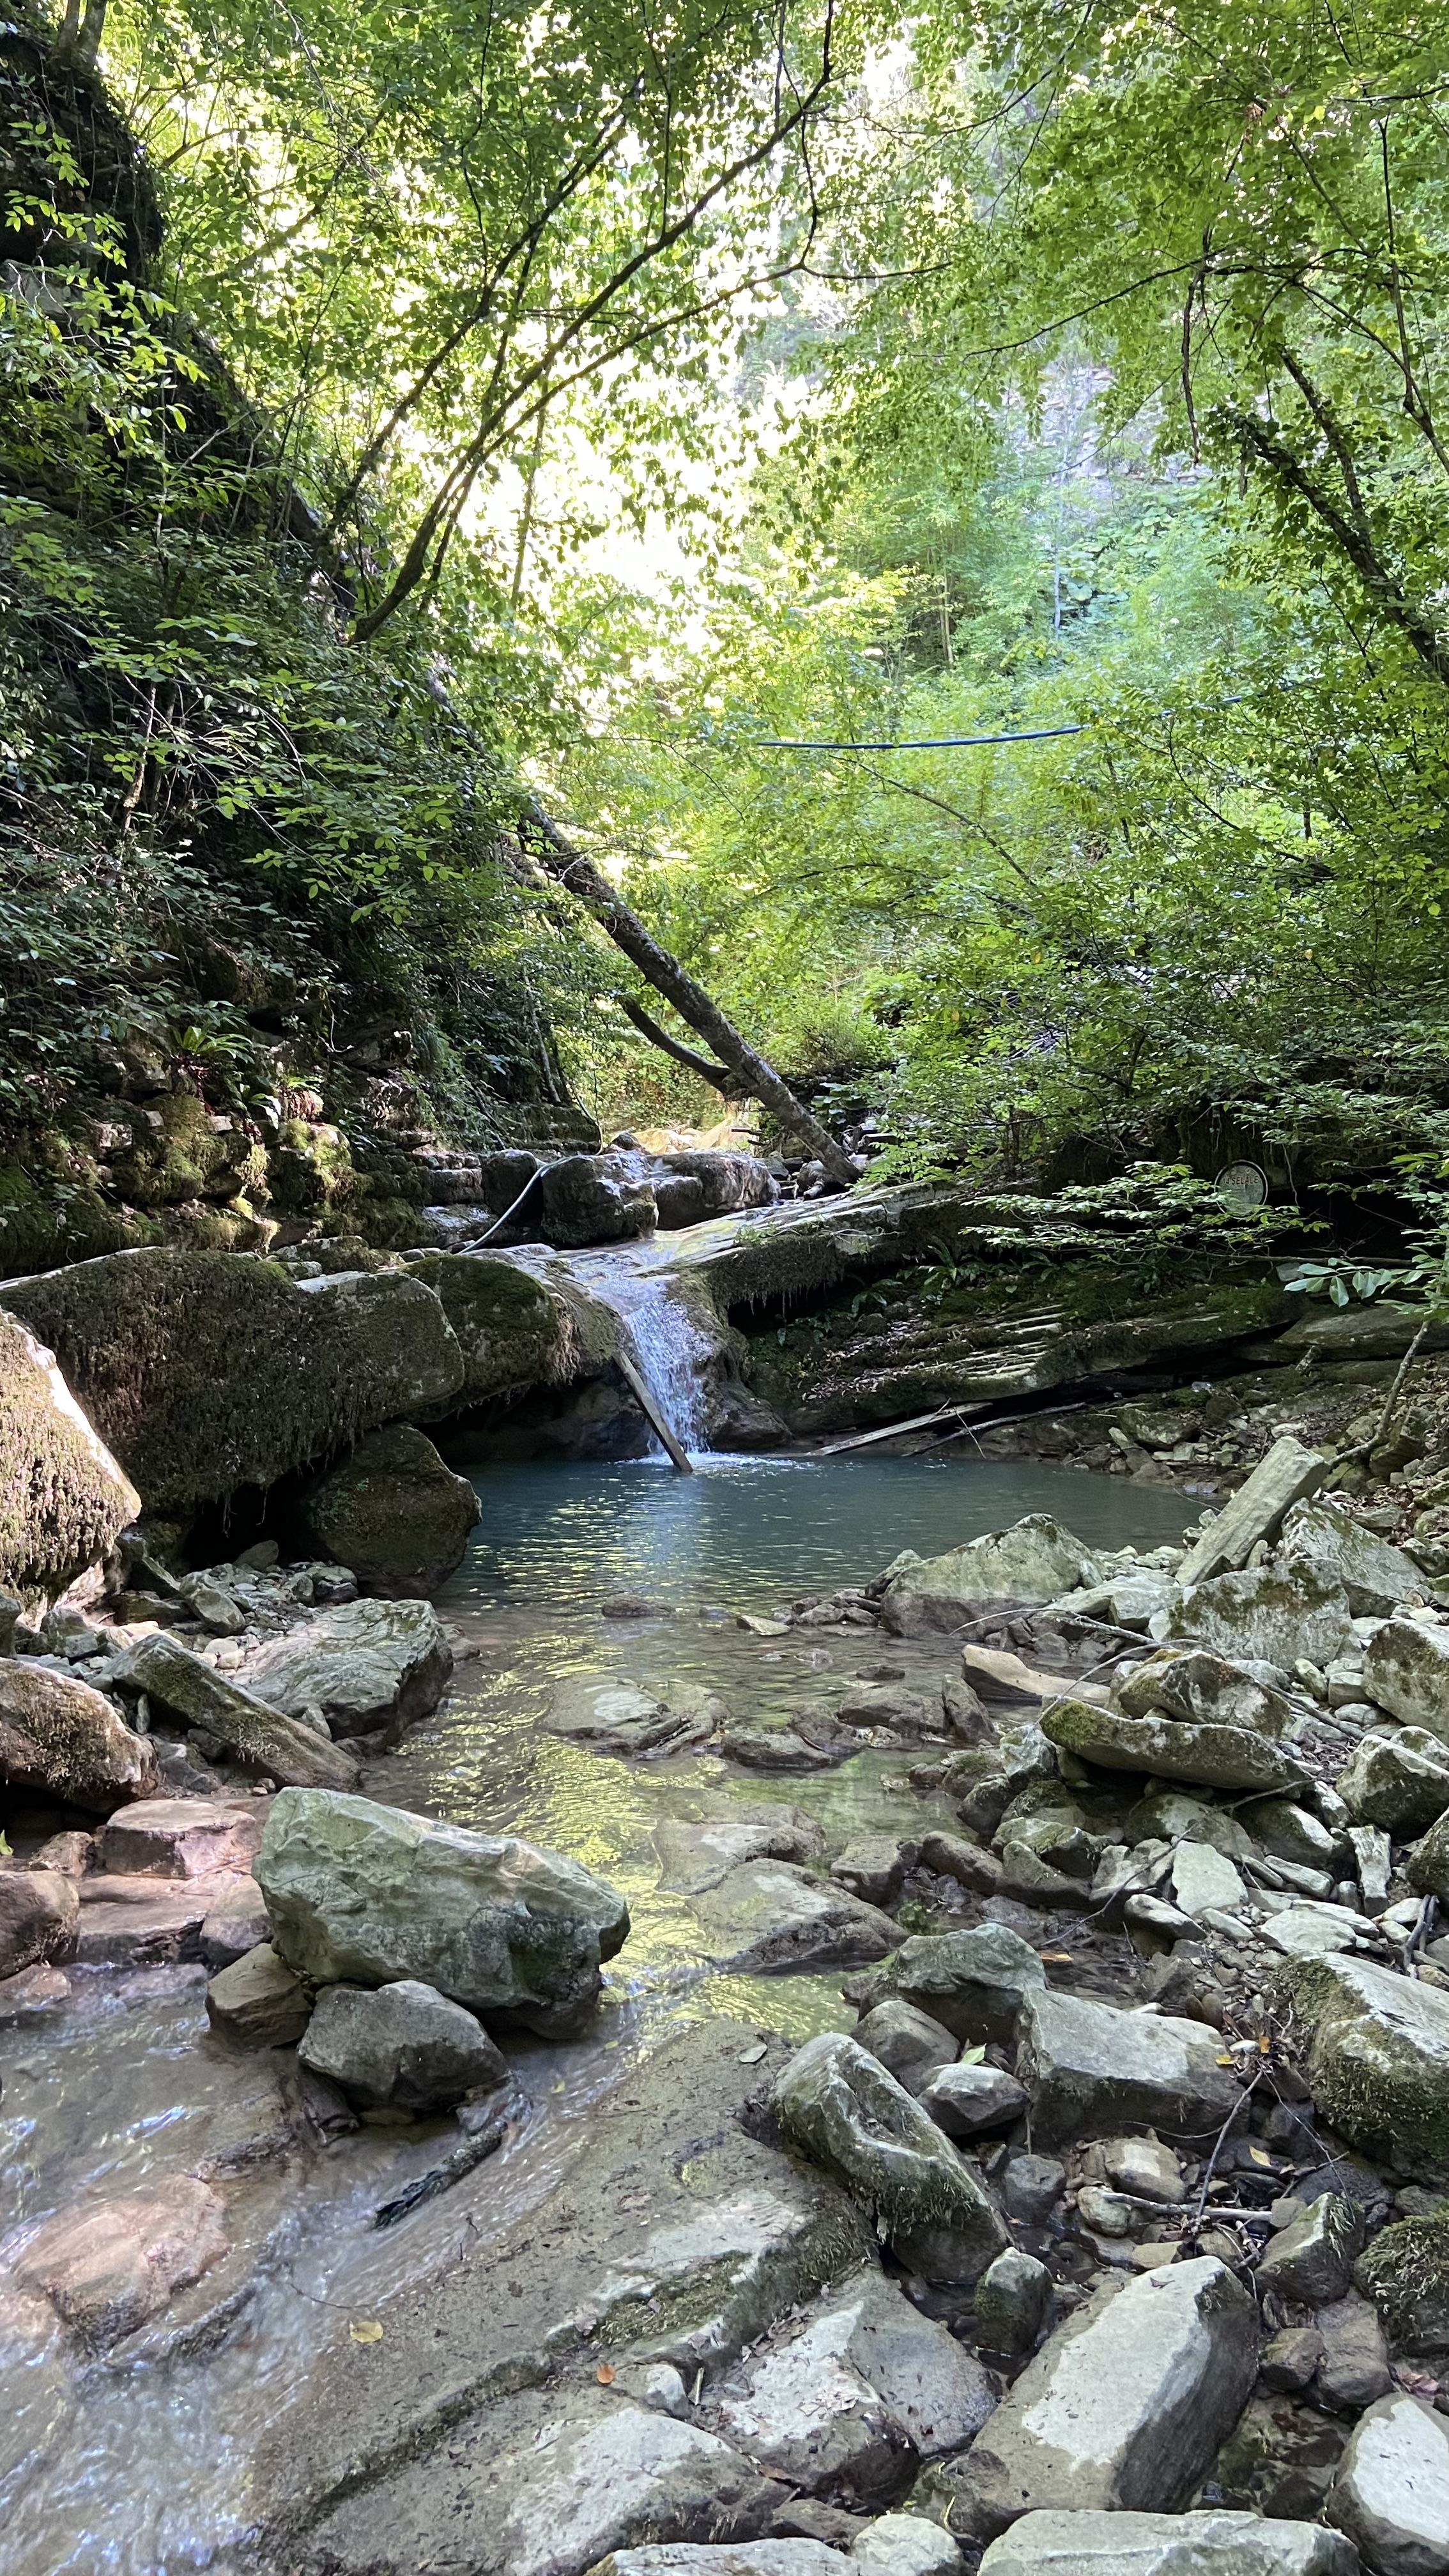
(62, 1495)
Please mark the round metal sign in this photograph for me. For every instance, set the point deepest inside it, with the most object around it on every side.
(1242, 1187)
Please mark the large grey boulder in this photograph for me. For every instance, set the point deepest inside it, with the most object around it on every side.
(1212, 1756)
(1310, 2262)
(1406, 1671)
(1256, 1511)
(187, 1687)
(365, 1664)
(1428, 1863)
(1089, 2067)
(969, 2101)
(362, 1894)
(591, 1198)
(1033, 1561)
(973, 1982)
(39, 1911)
(1399, 1781)
(843, 2402)
(1274, 1615)
(1391, 2490)
(1324, 1539)
(1123, 2408)
(63, 1498)
(593, 1708)
(204, 1371)
(694, 1857)
(1377, 2057)
(908, 2042)
(1202, 1688)
(768, 1918)
(64, 1740)
(393, 1512)
(401, 2047)
(1166, 2544)
(836, 2104)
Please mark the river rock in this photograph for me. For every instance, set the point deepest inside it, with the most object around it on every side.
(1123, 2408)
(1088, 2067)
(402, 2047)
(1353, 2368)
(1256, 1511)
(107, 2269)
(1013, 2296)
(1310, 2262)
(203, 1372)
(694, 1857)
(234, 1924)
(363, 1894)
(146, 1922)
(1146, 2169)
(1399, 1781)
(904, 2544)
(1314, 1930)
(175, 1679)
(1391, 2492)
(63, 1498)
(972, 1868)
(181, 1837)
(969, 2101)
(1203, 1688)
(871, 1866)
(908, 2042)
(767, 1918)
(1203, 1878)
(1427, 1868)
(1324, 1538)
(1166, 2544)
(973, 1982)
(258, 1998)
(1406, 1671)
(836, 2104)
(844, 2401)
(365, 1664)
(39, 1911)
(591, 1198)
(1212, 1756)
(393, 1512)
(622, 1718)
(1406, 2274)
(1033, 1561)
(1271, 1616)
(890, 1704)
(63, 1739)
(1377, 2057)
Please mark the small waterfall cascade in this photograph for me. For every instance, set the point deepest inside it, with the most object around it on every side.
(671, 1355)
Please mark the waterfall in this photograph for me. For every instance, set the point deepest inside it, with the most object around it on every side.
(671, 1355)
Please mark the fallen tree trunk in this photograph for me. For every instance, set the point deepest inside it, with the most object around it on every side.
(570, 868)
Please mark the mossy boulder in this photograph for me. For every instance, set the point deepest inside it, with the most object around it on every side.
(362, 1894)
(513, 1332)
(1406, 2274)
(180, 1149)
(1208, 1755)
(393, 1512)
(61, 1739)
(1377, 2058)
(62, 1496)
(206, 1371)
(838, 2106)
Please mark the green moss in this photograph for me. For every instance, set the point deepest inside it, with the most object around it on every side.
(178, 1152)
(204, 1371)
(1406, 2274)
(61, 1499)
(310, 1170)
(513, 1331)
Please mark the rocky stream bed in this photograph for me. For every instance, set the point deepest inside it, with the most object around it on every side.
(951, 2072)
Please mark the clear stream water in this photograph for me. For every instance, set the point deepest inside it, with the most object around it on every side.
(139, 2467)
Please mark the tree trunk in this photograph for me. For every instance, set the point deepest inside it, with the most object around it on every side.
(718, 1076)
(569, 867)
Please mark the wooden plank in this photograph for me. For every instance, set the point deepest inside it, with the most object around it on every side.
(645, 1394)
(894, 1430)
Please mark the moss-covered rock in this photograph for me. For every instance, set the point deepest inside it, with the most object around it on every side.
(513, 1331)
(1406, 2274)
(393, 1512)
(205, 1372)
(62, 1739)
(1377, 2058)
(179, 1149)
(62, 1496)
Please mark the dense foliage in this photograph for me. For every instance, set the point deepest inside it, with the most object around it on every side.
(445, 407)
